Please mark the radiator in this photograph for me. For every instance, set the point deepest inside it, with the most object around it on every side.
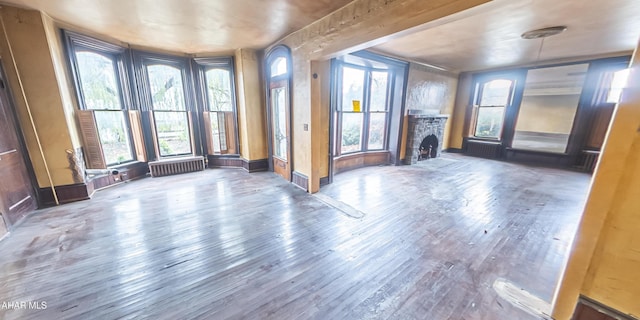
(176, 166)
(589, 160)
(483, 149)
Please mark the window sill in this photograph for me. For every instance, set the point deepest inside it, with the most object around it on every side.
(232, 156)
(484, 140)
(125, 165)
(360, 154)
(526, 151)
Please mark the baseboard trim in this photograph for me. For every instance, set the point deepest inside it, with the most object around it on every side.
(605, 312)
(301, 181)
(218, 161)
(255, 165)
(66, 193)
(131, 172)
(324, 181)
(454, 150)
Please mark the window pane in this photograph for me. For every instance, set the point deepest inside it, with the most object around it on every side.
(215, 131)
(173, 133)
(279, 67)
(166, 87)
(98, 81)
(219, 89)
(218, 131)
(549, 104)
(351, 132)
(489, 123)
(379, 91)
(618, 83)
(114, 136)
(279, 122)
(352, 87)
(495, 93)
(376, 130)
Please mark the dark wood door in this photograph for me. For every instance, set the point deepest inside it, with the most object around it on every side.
(280, 132)
(17, 196)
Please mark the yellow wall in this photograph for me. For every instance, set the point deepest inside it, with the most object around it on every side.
(549, 114)
(605, 258)
(250, 105)
(458, 119)
(432, 91)
(65, 83)
(27, 36)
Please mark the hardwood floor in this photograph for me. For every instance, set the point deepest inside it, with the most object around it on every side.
(228, 244)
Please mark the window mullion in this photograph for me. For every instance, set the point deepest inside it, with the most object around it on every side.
(365, 110)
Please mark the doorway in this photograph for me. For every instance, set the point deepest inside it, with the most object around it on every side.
(17, 195)
(279, 111)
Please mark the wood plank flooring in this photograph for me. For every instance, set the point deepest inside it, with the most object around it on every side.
(226, 244)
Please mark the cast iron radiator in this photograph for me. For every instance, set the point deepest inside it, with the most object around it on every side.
(176, 166)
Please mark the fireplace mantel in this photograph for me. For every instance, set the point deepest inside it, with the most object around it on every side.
(421, 126)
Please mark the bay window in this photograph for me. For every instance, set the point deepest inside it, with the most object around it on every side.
(363, 109)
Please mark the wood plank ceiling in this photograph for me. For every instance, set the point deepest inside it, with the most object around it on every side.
(490, 36)
(191, 26)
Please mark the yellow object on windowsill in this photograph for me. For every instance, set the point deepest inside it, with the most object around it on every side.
(356, 105)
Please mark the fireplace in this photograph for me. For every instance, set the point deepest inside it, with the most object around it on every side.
(424, 136)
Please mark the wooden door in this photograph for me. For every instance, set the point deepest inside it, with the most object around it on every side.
(17, 196)
(280, 133)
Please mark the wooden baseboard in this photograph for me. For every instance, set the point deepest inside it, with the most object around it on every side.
(130, 172)
(256, 165)
(66, 193)
(589, 309)
(359, 160)
(83, 191)
(301, 180)
(218, 161)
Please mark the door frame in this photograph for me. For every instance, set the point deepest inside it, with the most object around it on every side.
(280, 51)
(7, 95)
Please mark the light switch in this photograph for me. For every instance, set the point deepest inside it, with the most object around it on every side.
(305, 127)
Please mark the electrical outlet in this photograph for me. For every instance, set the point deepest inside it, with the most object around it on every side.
(305, 127)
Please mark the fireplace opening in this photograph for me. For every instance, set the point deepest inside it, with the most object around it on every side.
(428, 147)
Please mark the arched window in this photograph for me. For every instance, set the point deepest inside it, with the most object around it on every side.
(167, 94)
(216, 82)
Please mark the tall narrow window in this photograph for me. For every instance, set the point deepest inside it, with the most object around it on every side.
(352, 103)
(99, 75)
(170, 111)
(363, 109)
(220, 120)
(492, 99)
(378, 110)
(278, 81)
(618, 83)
